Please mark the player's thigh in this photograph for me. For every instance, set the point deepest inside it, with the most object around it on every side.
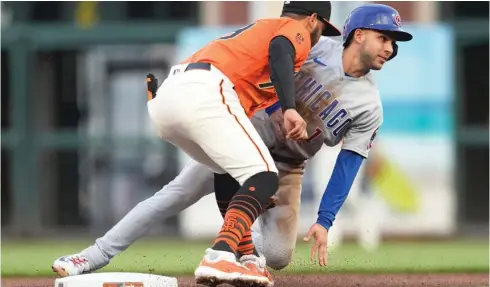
(227, 136)
(282, 220)
(279, 225)
(193, 150)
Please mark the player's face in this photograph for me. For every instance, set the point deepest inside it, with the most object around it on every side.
(315, 27)
(376, 49)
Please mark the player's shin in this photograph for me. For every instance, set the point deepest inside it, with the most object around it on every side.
(225, 187)
(244, 208)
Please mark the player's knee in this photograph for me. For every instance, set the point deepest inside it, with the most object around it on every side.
(263, 185)
(276, 253)
(278, 258)
(253, 170)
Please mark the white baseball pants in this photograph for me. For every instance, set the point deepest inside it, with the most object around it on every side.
(199, 112)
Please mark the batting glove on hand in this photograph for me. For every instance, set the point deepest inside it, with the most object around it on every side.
(152, 86)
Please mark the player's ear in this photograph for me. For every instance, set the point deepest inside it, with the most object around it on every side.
(312, 19)
(358, 35)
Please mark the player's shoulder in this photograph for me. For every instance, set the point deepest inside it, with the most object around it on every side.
(328, 42)
(281, 26)
(275, 23)
(326, 45)
(376, 100)
(371, 90)
(370, 81)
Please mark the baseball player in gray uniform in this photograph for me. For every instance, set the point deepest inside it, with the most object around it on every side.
(338, 98)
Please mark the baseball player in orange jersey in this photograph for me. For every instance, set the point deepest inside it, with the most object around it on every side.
(204, 105)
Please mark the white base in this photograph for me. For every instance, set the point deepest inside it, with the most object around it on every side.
(116, 279)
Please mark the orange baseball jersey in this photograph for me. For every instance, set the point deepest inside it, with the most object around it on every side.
(243, 56)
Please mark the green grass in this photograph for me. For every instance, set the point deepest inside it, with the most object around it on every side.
(26, 258)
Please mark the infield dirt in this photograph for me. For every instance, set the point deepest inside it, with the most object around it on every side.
(330, 280)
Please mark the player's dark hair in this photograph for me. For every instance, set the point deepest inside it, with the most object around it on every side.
(348, 41)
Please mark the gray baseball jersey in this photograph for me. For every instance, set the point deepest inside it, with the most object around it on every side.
(335, 106)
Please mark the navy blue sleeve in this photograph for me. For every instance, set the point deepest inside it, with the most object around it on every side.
(273, 108)
(281, 65)
(343, 175)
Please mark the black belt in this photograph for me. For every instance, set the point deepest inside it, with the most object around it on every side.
(288, 160)
(198, 66)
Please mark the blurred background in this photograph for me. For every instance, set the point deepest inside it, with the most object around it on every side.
(78, 151)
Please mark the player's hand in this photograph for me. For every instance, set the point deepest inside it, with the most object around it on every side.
(295, 125)
(277, 119)
(320, 235)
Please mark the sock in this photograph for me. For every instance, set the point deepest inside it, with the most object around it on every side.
(244, 208)
(225, 186)
(246, 246)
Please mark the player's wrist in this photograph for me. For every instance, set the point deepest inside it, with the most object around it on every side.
(324, 221)
(288, 109)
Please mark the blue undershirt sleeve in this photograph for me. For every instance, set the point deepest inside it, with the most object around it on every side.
(343, 175)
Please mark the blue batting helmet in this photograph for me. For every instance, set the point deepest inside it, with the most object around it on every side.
(379, 17)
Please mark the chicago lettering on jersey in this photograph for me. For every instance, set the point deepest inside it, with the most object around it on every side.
(315, 97)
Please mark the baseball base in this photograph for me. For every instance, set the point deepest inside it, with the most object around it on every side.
(116, 279)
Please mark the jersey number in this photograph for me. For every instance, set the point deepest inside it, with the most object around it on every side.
(317, 133)
(266, 85)
(237, 32)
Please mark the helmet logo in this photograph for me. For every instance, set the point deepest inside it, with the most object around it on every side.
(398, 20)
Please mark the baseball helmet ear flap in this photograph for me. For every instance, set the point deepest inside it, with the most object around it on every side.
(395, 51)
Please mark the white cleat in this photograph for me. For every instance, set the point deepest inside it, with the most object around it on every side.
(218, 267)
(71, 265)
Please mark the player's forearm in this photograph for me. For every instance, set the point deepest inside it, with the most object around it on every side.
(343, 175)
(281, 65)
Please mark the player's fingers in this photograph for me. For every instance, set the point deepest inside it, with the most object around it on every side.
(296, 129)
(295, 133)
(308, 236)
(326, 254)
(304, 135)
(314, 249)
(322, 255)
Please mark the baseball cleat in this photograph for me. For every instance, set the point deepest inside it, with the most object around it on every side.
(257, 264)
(71, 265)
(219, 267)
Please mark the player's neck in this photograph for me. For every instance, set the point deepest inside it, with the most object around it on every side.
(352, 64)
